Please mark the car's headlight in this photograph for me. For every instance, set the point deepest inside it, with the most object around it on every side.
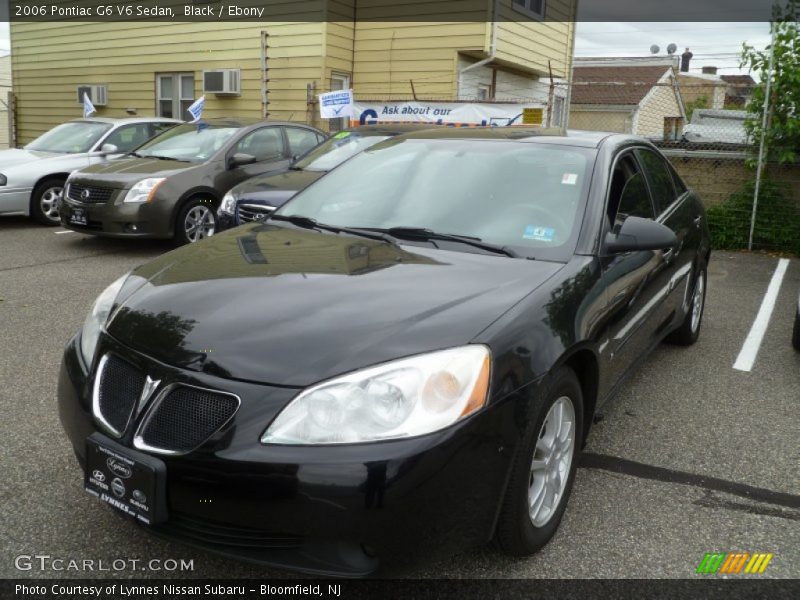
(399, 399)
(228, 204)
(97, 318)
(144, 190)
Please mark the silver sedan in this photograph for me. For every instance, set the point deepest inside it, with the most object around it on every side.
(32, 178)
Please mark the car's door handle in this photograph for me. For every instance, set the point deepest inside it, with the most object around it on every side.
(698, 221)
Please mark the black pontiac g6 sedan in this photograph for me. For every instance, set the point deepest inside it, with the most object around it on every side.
(405, 357)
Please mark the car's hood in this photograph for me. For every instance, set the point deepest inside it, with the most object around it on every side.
(285, 306)
(16, 156)
(122, 172)
(275, 188)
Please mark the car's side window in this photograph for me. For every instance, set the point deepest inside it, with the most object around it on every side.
(158, 128)
(628, 195)
(301, 140)
(659, 178)
(265, 144)
(128, 137)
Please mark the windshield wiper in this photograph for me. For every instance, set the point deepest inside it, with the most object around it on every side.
(161, 157)
(421, 233)
(309, 223)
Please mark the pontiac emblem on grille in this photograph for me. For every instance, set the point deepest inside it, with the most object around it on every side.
(85, 194)
(150, 386)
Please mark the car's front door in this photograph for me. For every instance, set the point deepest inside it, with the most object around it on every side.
(634, 281)
(268, 146)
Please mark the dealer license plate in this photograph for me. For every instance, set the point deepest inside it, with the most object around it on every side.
(130, 481)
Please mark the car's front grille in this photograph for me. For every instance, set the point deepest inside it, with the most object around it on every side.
(253, 212)
(118, 387)
(185, 418)
(89, 194)
(222, 534)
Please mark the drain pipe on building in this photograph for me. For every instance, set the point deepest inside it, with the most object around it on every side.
(492, 49)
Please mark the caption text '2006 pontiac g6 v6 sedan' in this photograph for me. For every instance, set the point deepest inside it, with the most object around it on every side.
(407, 356)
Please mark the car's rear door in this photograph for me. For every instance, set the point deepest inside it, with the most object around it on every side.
(674, 210)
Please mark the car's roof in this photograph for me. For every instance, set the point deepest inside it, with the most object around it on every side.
(585, 139)
(248, 122)
(115, 121)
(391, 128)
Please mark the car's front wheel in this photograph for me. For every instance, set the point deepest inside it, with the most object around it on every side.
(544, 469)
(46, 200)
(196, 220)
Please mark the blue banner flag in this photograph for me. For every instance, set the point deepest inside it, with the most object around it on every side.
(88, 107)
(196, 109)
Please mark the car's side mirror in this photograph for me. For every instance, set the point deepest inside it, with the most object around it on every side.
(108, 149)
(240, 159)
(638, 234)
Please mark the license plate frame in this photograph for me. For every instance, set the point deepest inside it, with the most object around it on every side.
(129, 481)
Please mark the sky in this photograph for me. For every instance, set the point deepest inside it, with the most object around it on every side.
(713, 44)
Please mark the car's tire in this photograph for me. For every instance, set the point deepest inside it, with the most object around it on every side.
(689, 330)
(796, 331)
(544, 468)
(46, 199)
(196, 220)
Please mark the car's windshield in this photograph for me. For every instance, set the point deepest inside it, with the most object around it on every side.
(336, 150)
(189, 142)
(71, 138)
(521, 195)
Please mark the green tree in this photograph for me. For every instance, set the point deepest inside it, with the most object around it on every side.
(782, 133)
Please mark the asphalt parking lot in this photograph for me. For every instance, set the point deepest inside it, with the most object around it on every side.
(692, 456)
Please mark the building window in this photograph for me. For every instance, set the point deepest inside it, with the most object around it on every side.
(174, 94)
(339, 81)
(484, 91)
(532, 8)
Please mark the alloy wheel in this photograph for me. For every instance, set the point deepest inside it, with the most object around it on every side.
(199, 223)
(50, 202)
(552, 460)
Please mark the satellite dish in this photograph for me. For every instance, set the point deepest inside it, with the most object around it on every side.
(672, 49)
(654, 49)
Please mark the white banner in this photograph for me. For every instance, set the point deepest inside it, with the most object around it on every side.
(455, 113)
(335, 105)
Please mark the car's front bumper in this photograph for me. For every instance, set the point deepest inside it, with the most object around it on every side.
(327, 510)
(112, 219)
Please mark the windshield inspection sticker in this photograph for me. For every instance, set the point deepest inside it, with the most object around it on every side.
(569, 179)
(540, 234)
(341, 134)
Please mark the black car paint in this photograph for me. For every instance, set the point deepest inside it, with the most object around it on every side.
(381, 500)
(209, 179)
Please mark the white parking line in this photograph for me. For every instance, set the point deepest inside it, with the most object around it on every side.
(749, 352)
(65, 231)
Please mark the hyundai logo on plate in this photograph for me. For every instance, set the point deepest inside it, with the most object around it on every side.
(98, 475)
(119, 468)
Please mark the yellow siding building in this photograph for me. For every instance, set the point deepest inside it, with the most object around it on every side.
(156, 67)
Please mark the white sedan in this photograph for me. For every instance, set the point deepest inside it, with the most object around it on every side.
(32, 178)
